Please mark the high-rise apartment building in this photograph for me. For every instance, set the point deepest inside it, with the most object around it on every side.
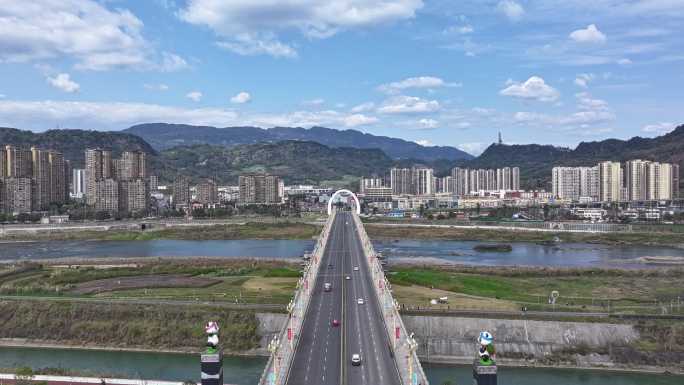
(412, 181)
(575, 182)
(260, 189)
(675, 181)
(78, 183)
(466, 181)
(154, 182)
(460, 181)
(423, 181)
(133, 165)
(133, 195)
(610, 181)
(18, 195)
(636, 179)
(181, 190)
(207, 192)
(18, 162)
(41, 179)
(107, 195)
(589, 182)
(98, 166)
(401, 181)
(443, 185)
(659, 181)
(565, 182)
(515, 178)
(370, 183)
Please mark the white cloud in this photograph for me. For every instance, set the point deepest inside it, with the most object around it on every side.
(172, 62)
(511, 9)
(427, 124)
(314, 102)
(363, 107)
(85, 31)
(252, 27)
(624, 62)
(240, 98)
(416, 82)
(474, 148)
(37, 115)
(359, 120)
(424, 142)
(195, 96)
(590, 112)
(460, 29)
(587, 103)
(534, 88)
(156, 87)
(582, 80)
(408, 105)
(248, 45)
(589, 35)
(63, 82)
(659, 128)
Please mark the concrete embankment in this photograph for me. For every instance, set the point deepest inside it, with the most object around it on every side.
(453, 339)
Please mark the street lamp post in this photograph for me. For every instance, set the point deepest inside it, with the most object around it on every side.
(412, 346)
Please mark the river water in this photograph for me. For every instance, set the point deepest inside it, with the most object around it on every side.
(523, 253)
(247, 370)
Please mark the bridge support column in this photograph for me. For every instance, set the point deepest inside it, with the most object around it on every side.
(484, 374)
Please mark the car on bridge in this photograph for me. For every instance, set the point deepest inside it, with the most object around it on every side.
(356, 268)
(356, 359)
(347, 278)
(359, 301)
(335, 323)
(327, 286)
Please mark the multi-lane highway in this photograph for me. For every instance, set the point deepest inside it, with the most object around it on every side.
(324, 352)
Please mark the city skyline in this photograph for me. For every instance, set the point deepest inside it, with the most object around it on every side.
(459, 74)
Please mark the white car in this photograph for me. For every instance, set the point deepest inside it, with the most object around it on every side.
(356, 359)
(359, 301)
(356, 268)
(347, 278)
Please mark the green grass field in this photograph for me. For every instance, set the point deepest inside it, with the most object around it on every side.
(580, 290)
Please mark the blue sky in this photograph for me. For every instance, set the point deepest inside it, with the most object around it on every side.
(431, 71)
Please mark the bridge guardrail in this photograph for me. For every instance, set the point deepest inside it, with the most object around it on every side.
(283, 346)
(403, 344)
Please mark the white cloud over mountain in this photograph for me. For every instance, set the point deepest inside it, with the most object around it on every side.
(534, 88)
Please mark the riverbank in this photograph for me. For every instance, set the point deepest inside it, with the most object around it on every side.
(178, 231)
(390, 231)
(425, 360)
(298, 229)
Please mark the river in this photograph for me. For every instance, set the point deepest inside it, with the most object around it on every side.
(523, 253)
(247, 370)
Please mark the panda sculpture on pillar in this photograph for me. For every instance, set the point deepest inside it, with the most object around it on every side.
(212, 358)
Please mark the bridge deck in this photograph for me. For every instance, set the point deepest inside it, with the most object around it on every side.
(321, 356)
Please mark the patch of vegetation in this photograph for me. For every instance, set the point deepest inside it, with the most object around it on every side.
(149, 326)
(580, 289)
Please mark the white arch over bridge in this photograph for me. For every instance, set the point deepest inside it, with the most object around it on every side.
(344, 191)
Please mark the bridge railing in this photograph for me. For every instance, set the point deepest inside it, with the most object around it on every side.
(403, 344)
(282, 347)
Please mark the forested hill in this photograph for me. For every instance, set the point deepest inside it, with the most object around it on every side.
(73, 143)
(298, 162)
(163, 136)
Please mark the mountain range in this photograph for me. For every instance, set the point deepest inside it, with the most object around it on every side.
(163, 136)
(310, 161)
(536, 161)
